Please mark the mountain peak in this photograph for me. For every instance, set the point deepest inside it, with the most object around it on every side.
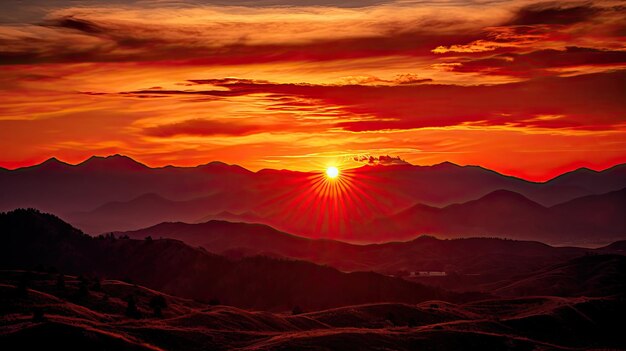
(445, 165)
(219, 165)
(51, 163)
(112, 162)
(505, 196)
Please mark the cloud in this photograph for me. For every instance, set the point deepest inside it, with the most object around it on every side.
(537, 62)
(203, 127)
(173, 34)
(474, 80)
(501, 38)
(383, 160)
(237, 35)
(555, 12)
(399, 79)
(583, 102)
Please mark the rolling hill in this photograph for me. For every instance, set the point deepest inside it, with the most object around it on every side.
(31, 238)
(46, 315)
(469, 262)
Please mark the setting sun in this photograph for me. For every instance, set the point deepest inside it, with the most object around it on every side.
(332, 172)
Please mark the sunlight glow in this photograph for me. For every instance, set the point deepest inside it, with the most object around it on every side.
(332, 172)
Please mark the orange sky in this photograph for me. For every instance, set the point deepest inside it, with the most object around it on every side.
(525, 88)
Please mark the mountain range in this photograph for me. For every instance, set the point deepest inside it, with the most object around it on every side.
(31, 238)
(61, 287)
(469, 263)
(503, 213)
(375, 204)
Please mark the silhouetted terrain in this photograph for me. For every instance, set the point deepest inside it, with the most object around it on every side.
(469, 263)
(31, 238)
(589, 219)
(118, 193)
(45, 314)
(63, 289)
(589, 275)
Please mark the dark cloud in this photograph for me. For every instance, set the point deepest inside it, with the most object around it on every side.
(203, 127)
(81, 25)
(384, 160)
(87, 35)
(535, 63)
(556, 12)
(82, 36)
(33, 10)
(587, 102)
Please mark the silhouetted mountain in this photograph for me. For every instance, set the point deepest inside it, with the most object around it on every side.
(30, 238)
(63, 188)
(593, 219)
(149, 209)
(595, 214)
(612, 179)
(616, 247)
(468, 263)
(447, 183)
(96, 194)
(249, 239)
(111, 164)
(105, 194)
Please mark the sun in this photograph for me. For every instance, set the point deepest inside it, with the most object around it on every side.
(332, 172)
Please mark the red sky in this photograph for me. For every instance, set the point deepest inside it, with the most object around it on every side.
(522, 87)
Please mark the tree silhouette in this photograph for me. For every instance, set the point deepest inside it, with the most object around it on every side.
(131, 307)
(38, 315)
(392, 318)
(158, 303)
(83, 287)
(61, 282)
(22, 284)
(97, 286)
(296, 310)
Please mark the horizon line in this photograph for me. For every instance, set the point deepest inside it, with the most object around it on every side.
(572, 169)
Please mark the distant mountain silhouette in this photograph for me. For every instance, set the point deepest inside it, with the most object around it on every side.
(30, 238)
(447, 183)
(62, 188)
(469, 263)
(112, 193)
(149, 209)
(591, 219)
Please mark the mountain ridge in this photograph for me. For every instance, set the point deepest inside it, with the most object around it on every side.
(98, 198)
(31, 237)
(120, 158)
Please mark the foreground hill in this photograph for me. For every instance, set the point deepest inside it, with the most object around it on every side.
(68, 316)
(589, 275)
(31, 238)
